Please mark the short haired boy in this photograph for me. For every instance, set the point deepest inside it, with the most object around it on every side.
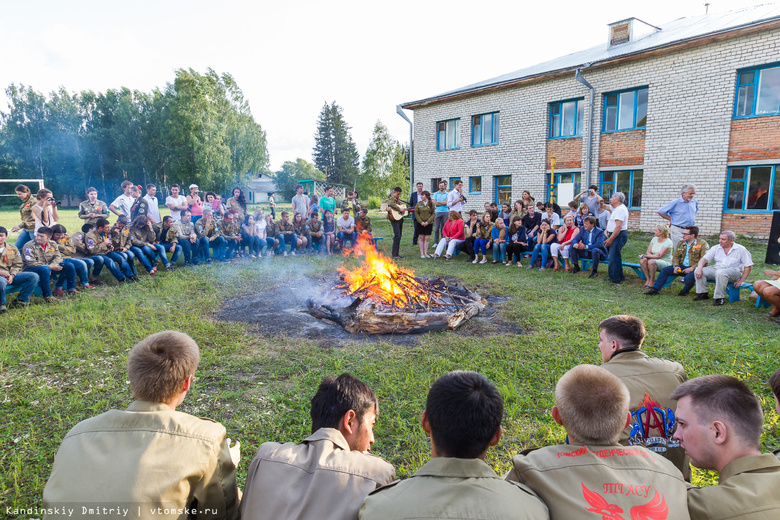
(593, 473)
(328, 475)
(11, 274)
(150, 455)
(463, 416)
(42, 256)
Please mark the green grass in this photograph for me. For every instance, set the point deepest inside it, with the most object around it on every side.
(62, 363)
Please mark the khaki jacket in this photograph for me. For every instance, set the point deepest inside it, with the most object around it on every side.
(363, 224)
(95, 243)
(28, 219)
(34, 255)
(141, 237)
(315, 226)
(353, 206)
(165, 236)
(301, 230)
(148, 455)
(121, 239)
(67, 247)
(99, 208)
(284, 228)
(422, 213)
(11, 260)
(454, 488)
(210, 230)
(650, 382)
(183, 231)
(698, 249)
(229, 230)
(748, 489)
(576, 481)
(79, 240)
(318, 479)
(484, 232)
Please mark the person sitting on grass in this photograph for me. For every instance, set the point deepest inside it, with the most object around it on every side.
(544, 239)
(658, 254)
(484, 238)
(592, 473)
(301, 233)
(11, 274)
(686, 257)
(168, 242)
(462, 416)
(150, 454)
(517, 244)
(187, 237)
(42, 257)
(498, 234)
(67, 251)
(328, 475)
(453, 234)
(567, 234)
(120, 240)
(94, 264)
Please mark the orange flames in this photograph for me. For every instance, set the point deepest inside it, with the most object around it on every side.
(381, 277)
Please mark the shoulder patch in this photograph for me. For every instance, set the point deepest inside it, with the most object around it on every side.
(652, 426)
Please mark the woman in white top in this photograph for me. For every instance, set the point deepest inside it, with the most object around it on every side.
(658, 255)
(45, 212)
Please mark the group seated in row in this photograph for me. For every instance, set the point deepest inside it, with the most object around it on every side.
(630, 426)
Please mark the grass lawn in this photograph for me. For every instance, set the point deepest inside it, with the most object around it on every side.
(60, 364)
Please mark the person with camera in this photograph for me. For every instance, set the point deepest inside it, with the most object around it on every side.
(45, 211)
(686, 257)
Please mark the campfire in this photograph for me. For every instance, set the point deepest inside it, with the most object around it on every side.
(391, 299)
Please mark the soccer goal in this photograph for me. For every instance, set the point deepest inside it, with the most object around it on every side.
(19, 181)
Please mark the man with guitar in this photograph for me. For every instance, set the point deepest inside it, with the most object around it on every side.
(396, 211)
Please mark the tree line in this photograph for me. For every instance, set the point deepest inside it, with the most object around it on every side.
(197, 129)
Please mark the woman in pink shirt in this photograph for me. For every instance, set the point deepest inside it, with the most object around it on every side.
(453, 235)
(195, 203)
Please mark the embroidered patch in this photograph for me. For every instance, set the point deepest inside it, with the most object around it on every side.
(90, 242)
(656, 508)
(28, 252)
(653, 426)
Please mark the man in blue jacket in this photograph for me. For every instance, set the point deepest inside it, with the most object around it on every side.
(589, 244)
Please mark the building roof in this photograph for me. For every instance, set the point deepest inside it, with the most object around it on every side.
(262, 183)
(672, 33)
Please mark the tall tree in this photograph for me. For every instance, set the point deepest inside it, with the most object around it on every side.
(385, 164)
(335, 152)
(293, 171)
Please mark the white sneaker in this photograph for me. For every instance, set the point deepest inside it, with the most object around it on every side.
(483, 261)
(284, 254)
(422, 256)
(476, 259)
(292, 253)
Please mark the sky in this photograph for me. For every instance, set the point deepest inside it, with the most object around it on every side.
(291, 57)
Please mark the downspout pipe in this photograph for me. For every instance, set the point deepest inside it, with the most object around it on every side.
(578, 77)
(400, 112)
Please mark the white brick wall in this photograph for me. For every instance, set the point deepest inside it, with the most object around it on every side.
(690, 106)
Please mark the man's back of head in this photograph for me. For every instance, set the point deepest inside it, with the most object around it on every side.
(159, 365)
(628, 330)
(337, 396)
(592, 405)
(464, 411)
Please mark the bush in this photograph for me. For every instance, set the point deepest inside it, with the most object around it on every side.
(374, 202)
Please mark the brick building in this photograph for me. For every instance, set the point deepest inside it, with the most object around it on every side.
(694, 101)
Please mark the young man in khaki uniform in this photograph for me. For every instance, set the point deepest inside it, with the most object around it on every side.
(149, 456)
(650, 382)
(11, 274)
(593, 476)
(328, 475)
(720, 424)
(98, 242)
(463, 418)
(42, 257)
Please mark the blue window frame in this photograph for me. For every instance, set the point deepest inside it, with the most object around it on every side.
(503, 189)
(625, 110)
(627, 181)
(753, 188)
(452, 182)
(448, 134)
(484, 129)
(475, 185)
(566, 118)
(758, 92)
(565, 178)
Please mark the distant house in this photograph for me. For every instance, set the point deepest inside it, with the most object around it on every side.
(696, 100)
(259, 188)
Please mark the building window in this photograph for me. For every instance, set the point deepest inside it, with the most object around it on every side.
(758, 92)
(629, 182)
(452, 182)
(475, 185)
(435, 184)
(625, 110)
(448, 134)
(566, 118)
(753, 188)
(503, 189)
(484, 129)
(564, 178)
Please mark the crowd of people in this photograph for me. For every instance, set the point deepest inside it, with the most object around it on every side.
(633, 426)
(199, 229)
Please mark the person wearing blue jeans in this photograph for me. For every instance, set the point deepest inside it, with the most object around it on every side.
(122, 245)
(98, 242)
(617, 227)
(544, 239)
(42, 256)
(210, 236)
(187, 237)
(167, 242)
(11, 274)
(498, 233)
(286, 234)
(72, 266)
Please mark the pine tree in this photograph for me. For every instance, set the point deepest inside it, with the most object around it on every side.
(334, 150)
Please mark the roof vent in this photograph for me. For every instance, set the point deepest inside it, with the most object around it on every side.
(626, 31)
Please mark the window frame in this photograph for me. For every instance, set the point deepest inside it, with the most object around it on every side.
(773, 180)
(441, 147)
(578, 104)
(558, 181)
(452, 182)
(495, 123)
(757, 75)
(630, 194)
(617, 93)
(471, 185)
(496, 186)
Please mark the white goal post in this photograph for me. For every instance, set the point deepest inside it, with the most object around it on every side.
(19, 181)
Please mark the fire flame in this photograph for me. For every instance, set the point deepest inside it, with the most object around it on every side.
(380, 276)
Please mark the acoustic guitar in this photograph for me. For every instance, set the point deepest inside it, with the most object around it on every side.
(394, 215)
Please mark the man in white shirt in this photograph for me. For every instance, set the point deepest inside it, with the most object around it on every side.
(300, 203)
(154, 204)
(176, 202)
(456, 199)
(346, 229)
(732, 264)
(617, 227)
(123, 203)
